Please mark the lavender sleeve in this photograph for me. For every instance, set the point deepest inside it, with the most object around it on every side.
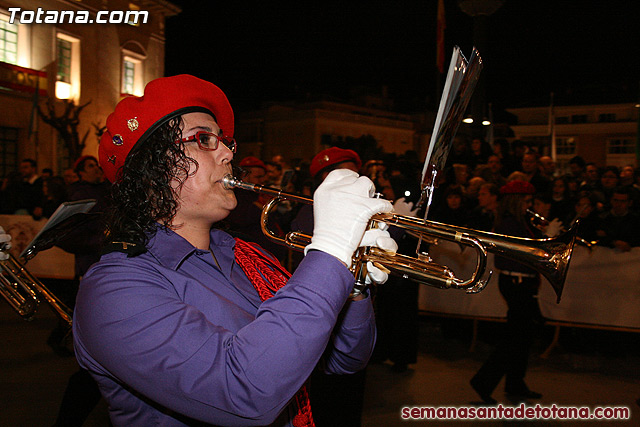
(210, 359)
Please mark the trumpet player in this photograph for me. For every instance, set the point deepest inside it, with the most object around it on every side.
(182, 324)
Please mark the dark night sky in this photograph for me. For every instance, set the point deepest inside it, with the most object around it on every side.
(261, 51)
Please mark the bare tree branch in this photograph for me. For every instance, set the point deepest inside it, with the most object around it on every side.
(66, 124)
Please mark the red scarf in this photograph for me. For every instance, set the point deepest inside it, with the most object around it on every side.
(267, 275)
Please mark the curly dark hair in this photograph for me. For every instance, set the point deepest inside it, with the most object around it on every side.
(143, 194)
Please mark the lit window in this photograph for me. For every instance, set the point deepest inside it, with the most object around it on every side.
(132, 82)
(64, 60)
(68, 67)
(8, 41)
(128, 78)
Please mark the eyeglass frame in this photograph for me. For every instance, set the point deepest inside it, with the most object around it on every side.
(230, 143)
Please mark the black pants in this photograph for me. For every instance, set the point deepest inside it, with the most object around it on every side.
(396, 303)
(510, 358)
(80, 398)
(337, 400)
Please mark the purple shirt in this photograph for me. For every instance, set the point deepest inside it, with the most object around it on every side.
(168, 333)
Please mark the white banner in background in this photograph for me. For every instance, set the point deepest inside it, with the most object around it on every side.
(602, 288)
(53, 263)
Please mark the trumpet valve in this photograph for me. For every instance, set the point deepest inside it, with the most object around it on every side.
(424, 256)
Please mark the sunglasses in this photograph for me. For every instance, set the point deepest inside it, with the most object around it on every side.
(209, 141)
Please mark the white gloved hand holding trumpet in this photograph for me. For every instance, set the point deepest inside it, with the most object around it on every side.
(5, 244)
(342, 207)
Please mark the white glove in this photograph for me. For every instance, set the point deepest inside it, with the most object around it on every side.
(553, 229)
(380, 238)
(5, 244)
(402, 207)
(342, 207)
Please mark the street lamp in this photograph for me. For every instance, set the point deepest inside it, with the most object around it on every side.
(480, 10)
(63, 90)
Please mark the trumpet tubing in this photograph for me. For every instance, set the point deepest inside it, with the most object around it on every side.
(24, 292)
(550, 257)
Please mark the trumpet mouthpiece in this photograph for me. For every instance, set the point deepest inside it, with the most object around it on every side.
(229, 181)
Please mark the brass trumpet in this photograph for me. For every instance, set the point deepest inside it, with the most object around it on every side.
(550, 257)
(24, 292)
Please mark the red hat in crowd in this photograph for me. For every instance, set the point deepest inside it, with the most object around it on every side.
(517, 187)
(252, 162)
(78, 166)
(333, 156)
(135, 118)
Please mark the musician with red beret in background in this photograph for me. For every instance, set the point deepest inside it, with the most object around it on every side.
(180, 323)
(244, 221)
(519, 287)
(321, 165)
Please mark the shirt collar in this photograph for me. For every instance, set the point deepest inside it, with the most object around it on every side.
(171, 249)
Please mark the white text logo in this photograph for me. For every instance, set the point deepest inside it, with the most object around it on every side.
(41, 16)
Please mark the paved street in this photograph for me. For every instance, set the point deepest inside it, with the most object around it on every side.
(587, 368)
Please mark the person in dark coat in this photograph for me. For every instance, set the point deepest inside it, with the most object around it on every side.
(86, 241)
(82, 394)
(519, 287)
(620, 227)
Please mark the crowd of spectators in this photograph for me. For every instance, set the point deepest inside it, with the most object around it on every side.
(605, 198)
(27, 192)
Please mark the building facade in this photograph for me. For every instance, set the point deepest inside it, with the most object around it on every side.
(86, 51)
(605, 134)
(299, 131)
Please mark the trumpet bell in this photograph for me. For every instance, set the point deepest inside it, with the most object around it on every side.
(550, 257)
(554, 258)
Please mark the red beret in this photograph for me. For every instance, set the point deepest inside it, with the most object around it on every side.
(252, 162)
(518, 187)
(135, 118)
(82, 159)
(332, 156)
